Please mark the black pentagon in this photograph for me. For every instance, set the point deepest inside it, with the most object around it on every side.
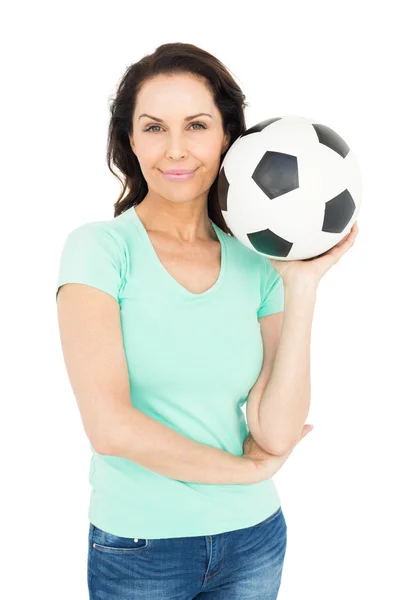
(331, 139)
(268, 242)
(223, 187)
(276, 174)
(260, 126)
(338, 212)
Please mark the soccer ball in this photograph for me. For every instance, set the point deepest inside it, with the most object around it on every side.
(290, 188)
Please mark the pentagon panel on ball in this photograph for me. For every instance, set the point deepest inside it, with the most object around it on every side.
(290, 188)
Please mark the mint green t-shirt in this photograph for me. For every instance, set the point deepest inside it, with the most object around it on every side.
(192, 360)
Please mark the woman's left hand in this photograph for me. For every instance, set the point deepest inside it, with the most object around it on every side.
(312, 270)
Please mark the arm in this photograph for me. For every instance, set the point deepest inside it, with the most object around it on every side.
(92, 344)
(161, 449)
(284, 402)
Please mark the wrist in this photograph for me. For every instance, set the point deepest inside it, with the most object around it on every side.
(249, 471)
(301, 286)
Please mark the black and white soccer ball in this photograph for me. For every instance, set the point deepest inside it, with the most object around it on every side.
(290, 188)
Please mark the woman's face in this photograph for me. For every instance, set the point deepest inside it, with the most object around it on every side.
(166, 140)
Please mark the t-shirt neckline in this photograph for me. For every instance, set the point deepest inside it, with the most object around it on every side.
(132, 212)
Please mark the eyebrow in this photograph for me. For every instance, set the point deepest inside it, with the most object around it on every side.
(186, 118)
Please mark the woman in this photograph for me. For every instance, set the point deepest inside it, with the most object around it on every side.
(169, 326)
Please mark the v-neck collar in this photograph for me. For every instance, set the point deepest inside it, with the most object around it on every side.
(145, 236)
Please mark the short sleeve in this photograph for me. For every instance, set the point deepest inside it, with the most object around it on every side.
(92, 255)
(272, 290)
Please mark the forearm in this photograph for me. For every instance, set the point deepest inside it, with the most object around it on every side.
(285, 402)
(165, 451)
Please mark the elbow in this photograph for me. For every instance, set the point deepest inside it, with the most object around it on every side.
(101, 443)
(283, 449)
(277, 447)
(118, 426)
(265, 444)
(285, 446)
(103, 449)
(278, 443)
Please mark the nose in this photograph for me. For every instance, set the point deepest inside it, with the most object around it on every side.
(176, 146)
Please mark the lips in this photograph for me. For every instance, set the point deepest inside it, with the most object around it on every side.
(179, 172)
(178, 177)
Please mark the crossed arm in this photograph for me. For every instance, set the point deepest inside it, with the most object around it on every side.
(279, 402)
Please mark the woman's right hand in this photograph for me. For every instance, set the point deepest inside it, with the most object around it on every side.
(267, 464)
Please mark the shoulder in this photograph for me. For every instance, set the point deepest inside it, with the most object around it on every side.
(112, 235)
(251, 259)
(94, 253)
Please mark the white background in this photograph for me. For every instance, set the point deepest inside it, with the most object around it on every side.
(336, 62)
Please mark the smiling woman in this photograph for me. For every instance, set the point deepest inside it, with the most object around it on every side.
(159, 312)
(184, 150)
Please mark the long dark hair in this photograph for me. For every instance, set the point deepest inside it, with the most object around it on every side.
(170, 58)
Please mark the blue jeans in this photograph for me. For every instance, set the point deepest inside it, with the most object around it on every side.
(235, 565)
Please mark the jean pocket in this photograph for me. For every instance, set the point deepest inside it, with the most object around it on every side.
(108, 542)
(270, 518)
